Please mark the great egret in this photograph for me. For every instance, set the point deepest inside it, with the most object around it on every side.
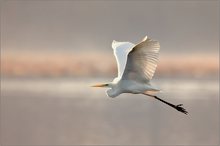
(136, 67)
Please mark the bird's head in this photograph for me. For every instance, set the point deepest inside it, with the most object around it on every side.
(110, 92)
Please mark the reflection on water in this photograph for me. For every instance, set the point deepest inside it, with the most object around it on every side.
(68, 111)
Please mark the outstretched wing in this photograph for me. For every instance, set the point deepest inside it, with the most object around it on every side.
(142, 61)
(121, 50)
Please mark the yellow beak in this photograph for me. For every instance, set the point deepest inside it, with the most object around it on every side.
(100, 85)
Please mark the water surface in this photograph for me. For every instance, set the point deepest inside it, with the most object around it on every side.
(69, 112)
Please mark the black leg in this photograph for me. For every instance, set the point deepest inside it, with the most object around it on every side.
(177, 107)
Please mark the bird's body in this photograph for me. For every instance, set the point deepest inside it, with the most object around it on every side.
(136, 66)
(129, 86)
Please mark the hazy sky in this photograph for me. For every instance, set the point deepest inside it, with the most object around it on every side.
(187, 26)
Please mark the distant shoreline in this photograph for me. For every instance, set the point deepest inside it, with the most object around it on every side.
(34, 65)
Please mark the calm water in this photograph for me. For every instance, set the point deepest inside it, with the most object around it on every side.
(68, 112)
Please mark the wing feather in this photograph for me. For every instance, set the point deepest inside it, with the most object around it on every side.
(121, 50)
(142, 61)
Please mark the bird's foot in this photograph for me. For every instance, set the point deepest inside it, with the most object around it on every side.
(181, 109)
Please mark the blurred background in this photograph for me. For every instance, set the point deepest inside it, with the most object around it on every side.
(52, 51)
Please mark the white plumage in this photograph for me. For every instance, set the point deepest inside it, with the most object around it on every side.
(121, 50)
(136, 67)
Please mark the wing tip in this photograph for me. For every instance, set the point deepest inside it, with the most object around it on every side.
(147, 39)
(114, 42)
(144, 39)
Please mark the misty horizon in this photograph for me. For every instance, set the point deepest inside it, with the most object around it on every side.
(179, 26)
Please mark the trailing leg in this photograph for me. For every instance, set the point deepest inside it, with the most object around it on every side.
(177, 107)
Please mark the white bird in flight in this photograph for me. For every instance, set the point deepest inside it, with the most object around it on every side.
(136, 67)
